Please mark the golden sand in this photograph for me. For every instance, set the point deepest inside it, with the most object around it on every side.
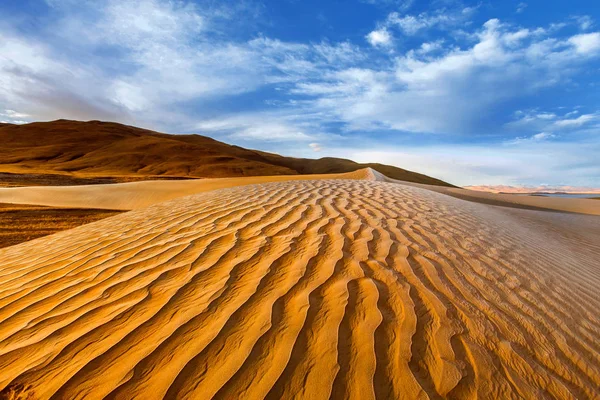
(133, 195)
(308, 290)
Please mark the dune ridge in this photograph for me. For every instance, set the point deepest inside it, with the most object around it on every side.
(134, 195)
(301, 289)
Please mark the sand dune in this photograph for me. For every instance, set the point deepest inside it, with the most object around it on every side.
(582, 206)
(133, 195)
(304, 289)
(572, 205)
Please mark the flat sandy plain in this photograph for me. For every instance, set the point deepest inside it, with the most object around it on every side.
(354, 288)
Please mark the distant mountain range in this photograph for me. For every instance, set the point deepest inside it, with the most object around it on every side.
(95, 150)
(535, 189)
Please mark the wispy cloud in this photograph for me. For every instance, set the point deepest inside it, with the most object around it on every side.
(13, 117)
(538, 137)
(585, 22)
(315, 147)
(577, 122)
(441, 18)
(273, 126)
(552, 122)
(399, 4)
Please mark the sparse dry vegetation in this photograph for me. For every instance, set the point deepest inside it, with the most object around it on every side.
(21, 223)
(8, 179)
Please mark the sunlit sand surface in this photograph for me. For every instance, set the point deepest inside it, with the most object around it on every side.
(307, 289)
(132, 195)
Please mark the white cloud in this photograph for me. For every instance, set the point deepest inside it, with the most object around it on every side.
(567, 125)
(379, 37)
(266, 126)
(135, 23)
(166, 44)
(271, 132)
(13, 117)
(521, 7)
(410, 24)
(316, 147)
(585, 22)
(156, 54)
(44, 86)
(154, 40)
(546, 115)
(577, 122)
(176, 52)
(451, 92)
(339, 53)
(586, 43)
(542, 136)
(538, 137)
(400, 4)
(430, 47)
(442, 18)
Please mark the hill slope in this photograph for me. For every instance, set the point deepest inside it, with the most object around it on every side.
(97, 148)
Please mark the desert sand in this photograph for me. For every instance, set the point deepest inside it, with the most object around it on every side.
(572, 205)
(332, 288)
(133, 195)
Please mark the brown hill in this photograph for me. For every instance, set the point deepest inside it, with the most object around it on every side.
(100, 149)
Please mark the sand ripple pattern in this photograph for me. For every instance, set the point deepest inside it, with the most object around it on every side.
(307, 290)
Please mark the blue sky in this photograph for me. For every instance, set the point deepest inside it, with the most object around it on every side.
(473, 92)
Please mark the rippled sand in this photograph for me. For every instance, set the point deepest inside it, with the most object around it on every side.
(303, 289)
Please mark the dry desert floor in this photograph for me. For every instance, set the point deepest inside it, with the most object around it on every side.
(307, 289)
(20, 223)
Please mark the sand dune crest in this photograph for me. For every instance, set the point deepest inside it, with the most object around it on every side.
(134, 195)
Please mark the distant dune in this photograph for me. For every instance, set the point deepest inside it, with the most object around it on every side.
(533, 189)
(306, 289)
(572, 205)
(73, 151)
(134, 195)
